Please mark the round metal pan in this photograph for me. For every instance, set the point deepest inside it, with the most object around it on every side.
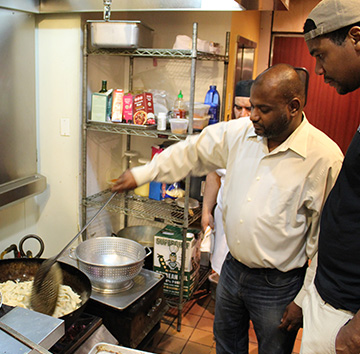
(23, 269)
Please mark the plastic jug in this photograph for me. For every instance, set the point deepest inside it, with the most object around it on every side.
(213, 99)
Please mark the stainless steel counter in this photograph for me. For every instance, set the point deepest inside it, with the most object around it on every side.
(41, 329)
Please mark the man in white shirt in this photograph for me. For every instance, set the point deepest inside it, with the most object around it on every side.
(280, 170)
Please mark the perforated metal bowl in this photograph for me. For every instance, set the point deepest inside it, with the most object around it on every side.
(110, 262)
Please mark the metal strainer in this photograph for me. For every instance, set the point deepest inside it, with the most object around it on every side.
(110, 262)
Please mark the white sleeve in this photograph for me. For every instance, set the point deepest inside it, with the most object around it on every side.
(198, 154)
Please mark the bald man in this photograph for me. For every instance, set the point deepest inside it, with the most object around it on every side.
(280, 170)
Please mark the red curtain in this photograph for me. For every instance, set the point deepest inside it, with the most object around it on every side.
(337, 116)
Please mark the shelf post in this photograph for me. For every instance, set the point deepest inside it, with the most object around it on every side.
(226, 66)
(84, 130)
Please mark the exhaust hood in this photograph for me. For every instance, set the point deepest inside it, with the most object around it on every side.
(48, 6)
(264, 5)
(68, 6)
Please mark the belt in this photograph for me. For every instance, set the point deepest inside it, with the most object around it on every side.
(272, 271)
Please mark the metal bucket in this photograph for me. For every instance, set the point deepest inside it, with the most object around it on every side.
(110, 262)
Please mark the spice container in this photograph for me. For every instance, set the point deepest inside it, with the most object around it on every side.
(161, 121)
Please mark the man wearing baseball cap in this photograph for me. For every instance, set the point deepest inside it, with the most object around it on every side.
(331, 307)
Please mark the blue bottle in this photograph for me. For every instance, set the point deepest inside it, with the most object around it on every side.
(213, 99)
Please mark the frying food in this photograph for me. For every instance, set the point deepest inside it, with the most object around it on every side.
(18, 294)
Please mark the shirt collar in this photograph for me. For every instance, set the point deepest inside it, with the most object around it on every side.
(297, 141)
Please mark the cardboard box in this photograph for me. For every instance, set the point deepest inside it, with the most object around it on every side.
(167, 259)
(157, 190)
(143, 109)
(128, 108)
(117, 105)
(101, 106)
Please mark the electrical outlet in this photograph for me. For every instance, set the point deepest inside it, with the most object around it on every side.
(65, 127)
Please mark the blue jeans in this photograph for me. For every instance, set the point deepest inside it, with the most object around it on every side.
(259, 295)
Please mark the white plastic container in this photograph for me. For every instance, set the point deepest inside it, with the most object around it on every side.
(179, 125)
(201, 110)
(120, 34)
(200, 123)
(161, 121)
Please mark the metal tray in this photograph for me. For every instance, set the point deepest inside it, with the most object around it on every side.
(105, 348)
(120, 34)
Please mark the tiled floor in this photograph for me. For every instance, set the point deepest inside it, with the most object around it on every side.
(196, 335)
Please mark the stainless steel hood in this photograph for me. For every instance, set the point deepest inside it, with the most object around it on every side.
(50, 6)
(264, 5)
(68, 6)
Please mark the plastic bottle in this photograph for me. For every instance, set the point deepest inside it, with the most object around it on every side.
(180, 108)
(213, 99)
(161, 121)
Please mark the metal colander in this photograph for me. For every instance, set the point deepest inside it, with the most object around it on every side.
(110, 262)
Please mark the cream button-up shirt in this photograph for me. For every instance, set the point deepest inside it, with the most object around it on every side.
(272, 200)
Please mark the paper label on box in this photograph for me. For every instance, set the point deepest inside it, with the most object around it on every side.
(167, 259)
(101, 106)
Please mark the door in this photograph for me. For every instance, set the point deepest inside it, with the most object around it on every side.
(337, 116)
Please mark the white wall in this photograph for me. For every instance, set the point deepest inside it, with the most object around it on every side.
(59, 87)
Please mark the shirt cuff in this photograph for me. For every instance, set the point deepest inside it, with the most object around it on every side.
(300, 297)
(142, 174)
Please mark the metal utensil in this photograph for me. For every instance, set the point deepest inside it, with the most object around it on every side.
(28, 342)
(48, 277)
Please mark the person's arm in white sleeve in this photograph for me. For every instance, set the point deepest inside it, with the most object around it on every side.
(198, 154)
(212, 186)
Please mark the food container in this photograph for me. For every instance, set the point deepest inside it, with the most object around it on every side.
(200, 123)
(120, 34)
(201, 110)
(179, 125)
(110, 262)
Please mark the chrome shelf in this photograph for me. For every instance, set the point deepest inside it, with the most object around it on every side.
(165, 211)
(158, 53)
(120, 128)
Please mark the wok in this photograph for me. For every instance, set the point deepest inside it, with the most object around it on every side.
(23, 269)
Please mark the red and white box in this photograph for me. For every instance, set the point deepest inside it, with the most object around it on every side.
(143, 109)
